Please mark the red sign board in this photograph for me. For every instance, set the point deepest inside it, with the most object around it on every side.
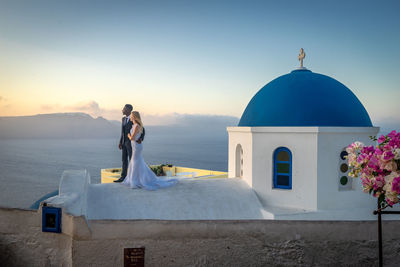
(134, 257)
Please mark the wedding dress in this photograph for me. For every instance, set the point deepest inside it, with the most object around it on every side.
(139, 174)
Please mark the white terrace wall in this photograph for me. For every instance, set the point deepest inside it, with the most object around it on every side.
(331, 141)
(194, 243)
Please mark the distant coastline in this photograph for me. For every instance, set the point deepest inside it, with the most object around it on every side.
(82, 125)
(35, 150)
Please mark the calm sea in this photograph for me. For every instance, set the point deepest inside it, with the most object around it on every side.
(31, 168)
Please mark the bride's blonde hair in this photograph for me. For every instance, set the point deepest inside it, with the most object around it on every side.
(138, 120)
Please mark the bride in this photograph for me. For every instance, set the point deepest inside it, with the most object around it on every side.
(139, 174)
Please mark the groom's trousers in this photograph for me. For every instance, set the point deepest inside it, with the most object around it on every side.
(126, 157)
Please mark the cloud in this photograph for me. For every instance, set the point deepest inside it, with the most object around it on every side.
(156, 119)
(91, 107)
(191, 120)
(1, 98)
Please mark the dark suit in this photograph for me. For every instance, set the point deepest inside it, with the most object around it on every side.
(126, 145)
(125, 142)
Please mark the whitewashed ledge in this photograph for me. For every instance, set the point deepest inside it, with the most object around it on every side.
(211, 199)
(72, 194)
(189, 199)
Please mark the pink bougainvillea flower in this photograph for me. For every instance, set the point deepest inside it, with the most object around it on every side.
(392, 134)
(378, 151)
(396, 185)
(390, 203)
(373, 163)
(367, 150)
(379, 183)
(378, 167)
(389, 166)
(381, 139)
(387, 155)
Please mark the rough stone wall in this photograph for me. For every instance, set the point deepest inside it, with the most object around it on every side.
(236, 251)
(194, 243)
(22, 242)
(238, 243)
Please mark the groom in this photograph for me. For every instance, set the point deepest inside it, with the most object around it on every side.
(124, 142)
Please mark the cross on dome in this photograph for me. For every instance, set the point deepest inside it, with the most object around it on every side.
(302, 55)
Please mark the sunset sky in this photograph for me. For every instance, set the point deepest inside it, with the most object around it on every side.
(190, 57)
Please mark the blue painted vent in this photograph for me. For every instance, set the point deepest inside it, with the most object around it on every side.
(51, 219)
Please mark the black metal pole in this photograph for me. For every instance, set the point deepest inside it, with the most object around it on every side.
(380, 237)
(390, 212)
(378, 212)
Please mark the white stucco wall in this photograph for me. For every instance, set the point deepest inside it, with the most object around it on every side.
(331, 141)
(303, 147)
(244, 138)
(315, 165)
(302, 142)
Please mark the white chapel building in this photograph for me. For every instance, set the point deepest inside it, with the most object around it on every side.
(289, 146)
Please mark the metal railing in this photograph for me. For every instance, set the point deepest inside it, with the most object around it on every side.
(379, 212)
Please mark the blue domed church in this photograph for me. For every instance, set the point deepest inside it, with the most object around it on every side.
(290, 144)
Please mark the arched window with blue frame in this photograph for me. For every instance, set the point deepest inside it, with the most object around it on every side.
(283, 168)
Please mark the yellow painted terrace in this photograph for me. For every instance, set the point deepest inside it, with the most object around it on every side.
(111, 174)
